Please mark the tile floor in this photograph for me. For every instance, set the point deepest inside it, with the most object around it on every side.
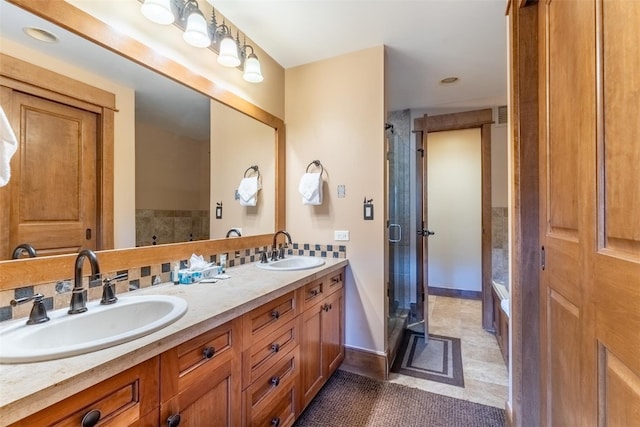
(486, 378)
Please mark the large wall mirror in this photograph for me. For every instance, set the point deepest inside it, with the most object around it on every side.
(191, 150)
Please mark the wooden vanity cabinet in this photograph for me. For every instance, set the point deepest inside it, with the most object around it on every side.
(260, 369)
(201, 379)
(129, 398)
(271, 363)
(322, 344)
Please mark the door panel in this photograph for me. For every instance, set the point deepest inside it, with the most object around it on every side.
(621, 150)
(567, 148)
(590, 199)
(616, 285)
(54, 179)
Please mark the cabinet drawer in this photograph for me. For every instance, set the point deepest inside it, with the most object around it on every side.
(123, 400)
(334, 282)
(264, 353)
(265, 319)
(193, 361)
(278, 411)
(260, 394)
(313, 292)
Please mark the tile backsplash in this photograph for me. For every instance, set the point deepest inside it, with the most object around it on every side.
(58, 294)
(500, 244)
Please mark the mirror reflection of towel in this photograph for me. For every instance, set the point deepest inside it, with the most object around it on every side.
(8, 146)
(311, 188)
(248, 191)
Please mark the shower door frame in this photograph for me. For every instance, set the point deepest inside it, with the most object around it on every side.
(482, 119)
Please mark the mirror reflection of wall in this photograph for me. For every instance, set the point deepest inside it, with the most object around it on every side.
(237, 143)
(172, 174)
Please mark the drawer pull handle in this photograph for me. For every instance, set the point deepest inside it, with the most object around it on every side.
(335, 280)
(275, 422)
(314, 292)
(208, 352)
(275, 381)
(173, 420)
(275, 314)
(91, 418)
(275, 347)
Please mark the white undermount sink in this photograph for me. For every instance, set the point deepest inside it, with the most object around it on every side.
(101, 326)
(292, 263)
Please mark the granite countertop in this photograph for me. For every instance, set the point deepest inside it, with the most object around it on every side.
(29, 387)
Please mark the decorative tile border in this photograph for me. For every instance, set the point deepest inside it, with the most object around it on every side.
(58, 294)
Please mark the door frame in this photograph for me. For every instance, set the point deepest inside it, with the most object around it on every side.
(31, 79)
(482, 119)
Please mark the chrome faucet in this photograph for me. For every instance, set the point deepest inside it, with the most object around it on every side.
(79, 294)
(275, 254)
(24, 247)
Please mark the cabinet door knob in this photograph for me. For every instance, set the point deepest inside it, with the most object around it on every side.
(275, 347)
(173, 420)
(275, 422)
(275, 314)
(91, 418)
(208, 352)
(275, 381)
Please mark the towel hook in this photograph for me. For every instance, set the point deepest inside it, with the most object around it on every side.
(317, 164)
(254, 168)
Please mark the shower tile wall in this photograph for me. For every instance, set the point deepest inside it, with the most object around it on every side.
(400, 209)
(168, 226)
(500, 244)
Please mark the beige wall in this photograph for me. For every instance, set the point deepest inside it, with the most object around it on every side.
(170, 171)
(237, 142)
(335, 113)
(124, 135)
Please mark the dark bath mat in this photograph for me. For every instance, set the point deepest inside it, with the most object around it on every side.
(351, 400)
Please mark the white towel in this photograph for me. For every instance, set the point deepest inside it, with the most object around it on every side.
(8, 146)
(248, 191)
(311, 188)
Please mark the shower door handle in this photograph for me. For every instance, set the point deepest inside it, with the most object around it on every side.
(399, 236)
(426, 233)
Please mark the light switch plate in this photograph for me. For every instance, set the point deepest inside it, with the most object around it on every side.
(341, 191)
(341, 235)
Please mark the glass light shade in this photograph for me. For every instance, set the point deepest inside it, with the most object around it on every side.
(158, 11)
(228, 55)
(252, 72)
(196, 33)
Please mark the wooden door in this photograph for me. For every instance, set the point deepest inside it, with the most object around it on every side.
(590, 200)
(53, 183)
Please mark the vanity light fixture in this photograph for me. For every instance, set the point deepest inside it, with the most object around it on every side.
(158, 11)
(196, 32)
(228, 55)
(252, 71)
(187, 16)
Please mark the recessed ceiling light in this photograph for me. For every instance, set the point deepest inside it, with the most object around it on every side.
(449, 80)
(40, 34)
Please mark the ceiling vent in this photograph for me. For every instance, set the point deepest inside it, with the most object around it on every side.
(503, 114)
